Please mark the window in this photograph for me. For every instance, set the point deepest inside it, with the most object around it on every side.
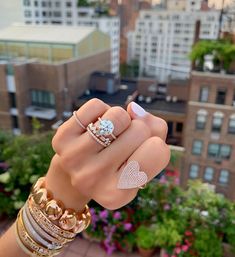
(69, 14)
(201, 119)
(209, 173)
(197, 147)
(204, 94)
(194, 171)
(27, 13)
(57, 4)
(57, 14)
(14, 121)
(219, 151)
(44, 14)
(231, 124)
(12, 100)
(217, 121)
(68, 4)
(44, 4)
(42, 98)
(224, 177)
(36, 13)
(179, 127)
(26, 2)
(35, 3)
(221, 95)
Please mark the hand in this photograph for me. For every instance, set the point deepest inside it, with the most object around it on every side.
(82, 169)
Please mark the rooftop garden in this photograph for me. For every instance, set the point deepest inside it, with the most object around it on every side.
(214, 56)
(182, 223)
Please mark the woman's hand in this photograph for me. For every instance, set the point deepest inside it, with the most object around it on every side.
(82, 169)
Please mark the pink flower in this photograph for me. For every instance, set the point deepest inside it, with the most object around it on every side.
(117, 215)
(104, 214)
(188, 233)
(185, 248)
(165, 255)
(177, 181)
(167, 207)
(127, 226)
(178, 250)
(163, 180)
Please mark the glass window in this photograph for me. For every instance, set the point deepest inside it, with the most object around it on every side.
(217, 123)
(209, 173)
(225, 151)
(197, 147)
(14, 121)
(44, 4)
(221, 95)
(42, 98)
(213, 150)
(69, 14)
(194, 171)
(27, 13)
(204, 94)
(224, 177)
(35, 3)
(68, 4)
(231, 125)
(201, 119)
(57, 4)
(219, 151)
(179, 127)
(26, 2)
(12, 100)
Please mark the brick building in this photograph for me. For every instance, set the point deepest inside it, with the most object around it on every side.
(43, 69)
(210, 132)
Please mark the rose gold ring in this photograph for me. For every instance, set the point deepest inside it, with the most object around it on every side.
(78, 121)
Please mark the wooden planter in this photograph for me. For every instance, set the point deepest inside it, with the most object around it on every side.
(146, 252)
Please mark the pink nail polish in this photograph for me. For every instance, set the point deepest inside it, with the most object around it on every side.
(138, 110)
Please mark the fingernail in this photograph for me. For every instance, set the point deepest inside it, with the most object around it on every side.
(138, 110)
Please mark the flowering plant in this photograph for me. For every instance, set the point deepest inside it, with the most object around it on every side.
(112, 228)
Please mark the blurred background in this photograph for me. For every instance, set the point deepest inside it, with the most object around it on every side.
(176, 58)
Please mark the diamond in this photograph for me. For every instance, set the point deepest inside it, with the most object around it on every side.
(105, 128)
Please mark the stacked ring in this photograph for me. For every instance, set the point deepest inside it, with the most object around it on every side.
(101, 132)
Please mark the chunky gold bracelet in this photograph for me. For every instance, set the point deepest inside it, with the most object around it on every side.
(67, 219)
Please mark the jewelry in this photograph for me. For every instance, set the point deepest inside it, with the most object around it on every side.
(78, 121)
(132, 177)
(51, 245)
(29, 242)
(35, 225)
(54, 210)
(101, 131)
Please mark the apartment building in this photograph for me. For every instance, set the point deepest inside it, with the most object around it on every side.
(43, 69)
(67, 12)
(210, 132)
(163, 39)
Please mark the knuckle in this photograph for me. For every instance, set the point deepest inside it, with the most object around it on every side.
(121, 114)
(141, 127)
(96, 102)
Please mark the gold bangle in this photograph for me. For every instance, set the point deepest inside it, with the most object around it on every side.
(68, 219)
(30, 243)
(42, 220)
(20, 243)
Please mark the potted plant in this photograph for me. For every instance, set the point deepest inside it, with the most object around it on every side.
(145, 240)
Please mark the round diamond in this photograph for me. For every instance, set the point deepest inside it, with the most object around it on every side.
(106, 127)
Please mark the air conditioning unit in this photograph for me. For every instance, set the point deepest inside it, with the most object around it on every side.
(174, 99)
(168, 98)
(148, 100)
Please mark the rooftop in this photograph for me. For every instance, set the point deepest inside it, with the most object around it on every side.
(121, 96)
(45, 33)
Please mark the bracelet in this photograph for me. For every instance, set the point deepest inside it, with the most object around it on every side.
(43, 226)
(68, 219)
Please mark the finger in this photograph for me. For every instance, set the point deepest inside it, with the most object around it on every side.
(120, 150)
(85, 145)
(157, 125)
(70, 129)
(153, 156)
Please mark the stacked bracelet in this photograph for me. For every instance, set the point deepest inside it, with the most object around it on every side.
(44, 226)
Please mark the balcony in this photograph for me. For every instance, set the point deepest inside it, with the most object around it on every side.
(41, 113)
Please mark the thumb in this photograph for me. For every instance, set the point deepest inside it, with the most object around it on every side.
(157, 125)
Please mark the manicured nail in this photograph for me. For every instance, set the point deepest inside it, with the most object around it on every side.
(138, 110)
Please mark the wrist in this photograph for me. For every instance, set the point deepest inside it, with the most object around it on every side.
(59, 183)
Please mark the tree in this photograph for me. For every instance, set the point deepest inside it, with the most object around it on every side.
(83, 3)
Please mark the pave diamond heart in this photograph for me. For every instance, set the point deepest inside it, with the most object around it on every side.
(105, 127)
(132, 177)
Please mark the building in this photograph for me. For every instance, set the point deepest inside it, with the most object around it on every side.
(210, 132)
(163, 39)
(62, 12)
(42, 73)
(10, 12)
